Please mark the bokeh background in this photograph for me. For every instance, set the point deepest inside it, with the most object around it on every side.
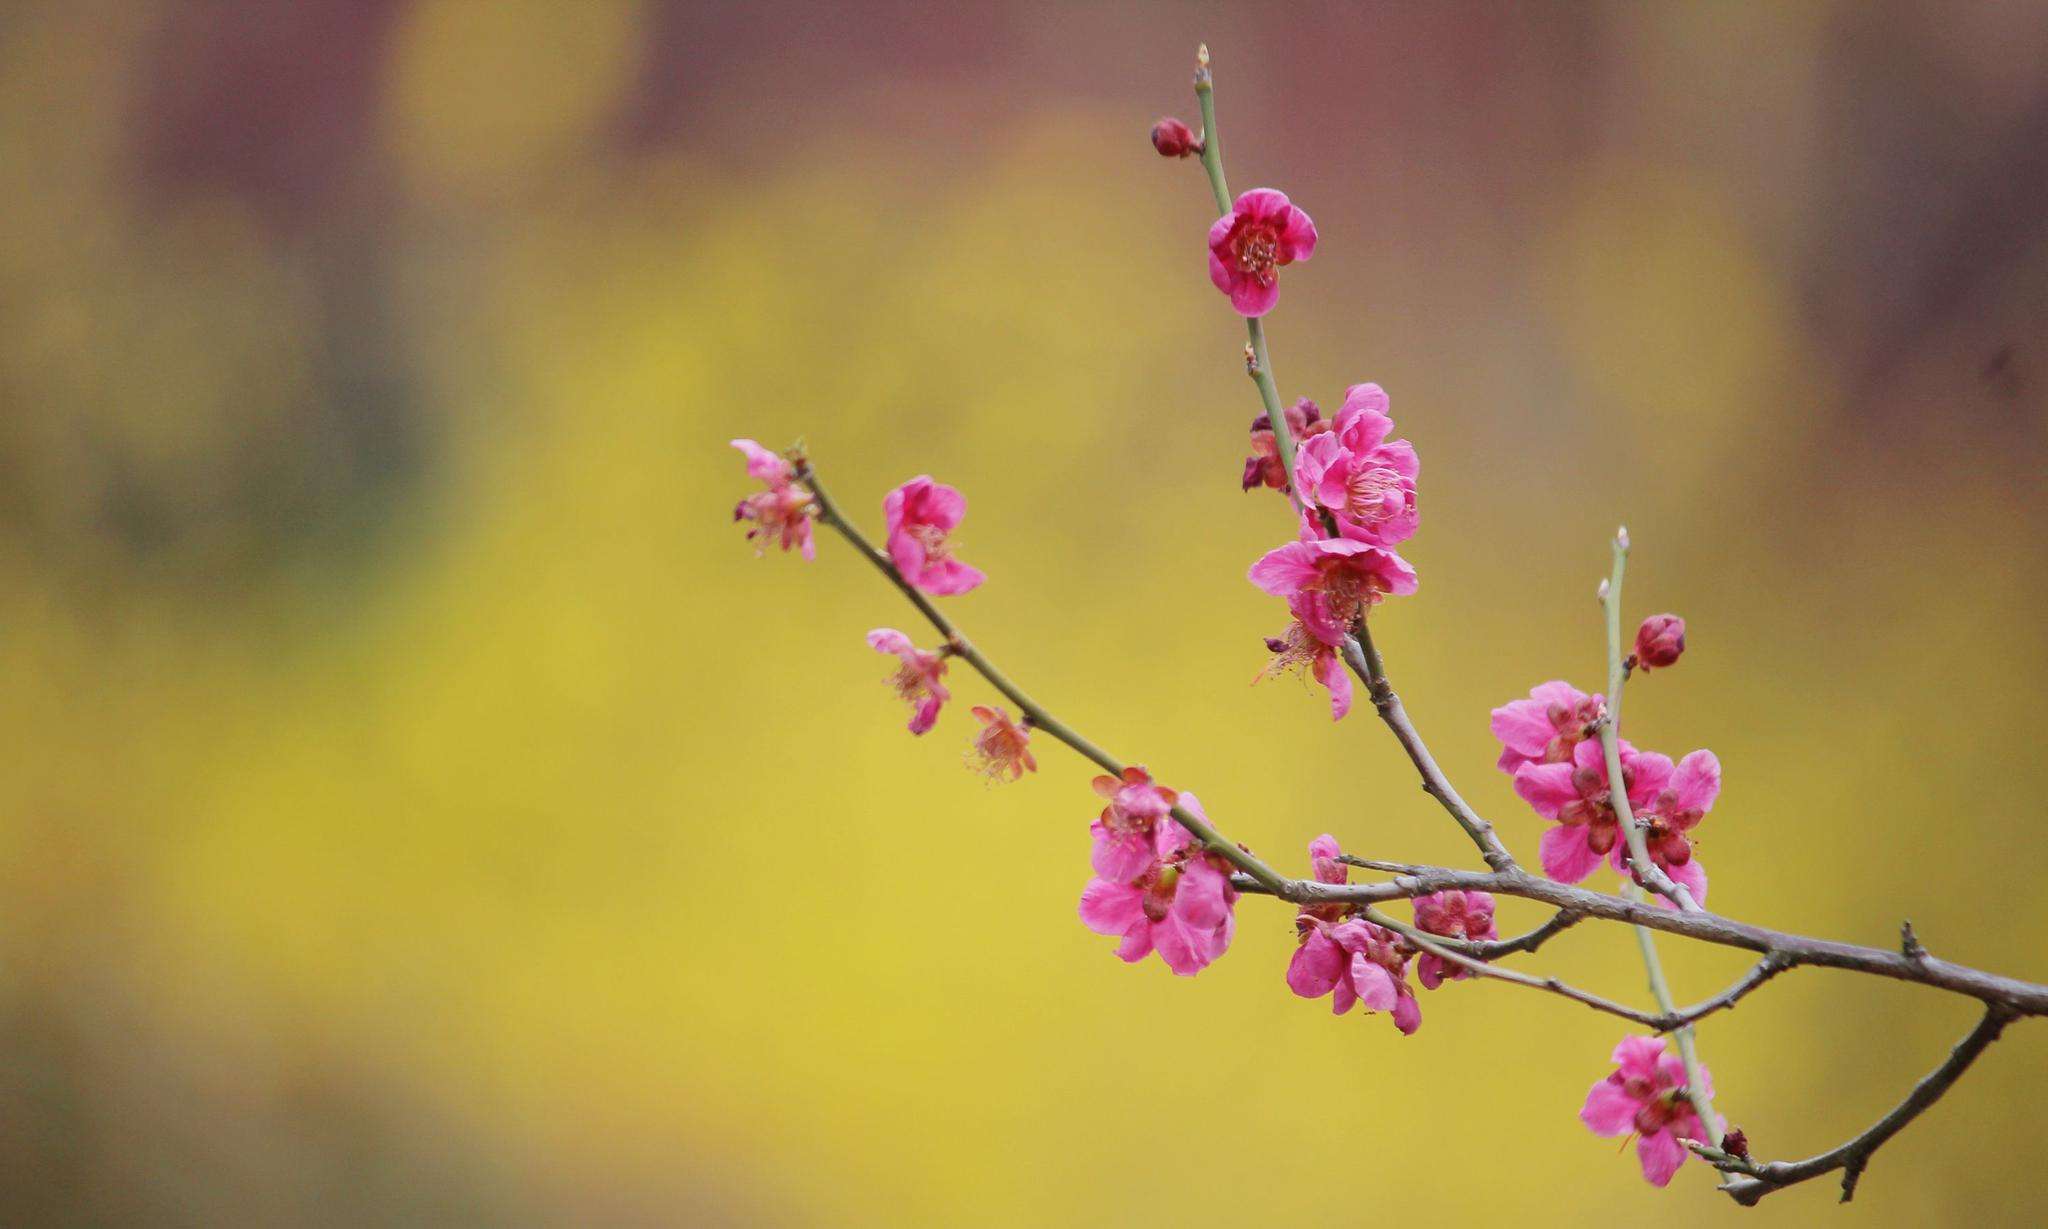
(421, 807)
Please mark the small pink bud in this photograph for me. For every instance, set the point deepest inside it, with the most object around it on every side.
(1659, 641)
(1174, 139)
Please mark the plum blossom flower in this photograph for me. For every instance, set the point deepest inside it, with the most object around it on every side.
(1002, 749)
(1358, 475)
(1299, 650)
(1181, 905)
(1454, 915)
(1263, 467)
(1544, 728)
(1354, 962)
(1350, 960)
(917, 677)
(1646, 1095)
(1676, 808)
(1262, 231)
(1125, 832)
(1574, 793)
(920, 514)
(784, 510)
(1342, 580)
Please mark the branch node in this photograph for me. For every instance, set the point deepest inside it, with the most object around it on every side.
(1909, 942)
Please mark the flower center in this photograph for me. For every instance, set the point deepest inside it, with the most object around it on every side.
(1367, 494)
(933, 540)
(1258, 249)
(1349, 591)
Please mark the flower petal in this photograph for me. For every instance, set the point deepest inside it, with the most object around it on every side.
(1609, 1111)
(1566, 853)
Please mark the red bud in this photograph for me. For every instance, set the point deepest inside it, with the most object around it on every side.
(1659, 641)
(1174, 139)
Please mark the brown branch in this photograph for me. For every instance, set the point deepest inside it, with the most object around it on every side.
(2023, 997)
(1851, 1158)
(1364, 661)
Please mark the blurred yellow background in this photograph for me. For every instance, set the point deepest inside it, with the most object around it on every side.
(421, 807)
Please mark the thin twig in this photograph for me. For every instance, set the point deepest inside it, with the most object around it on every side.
(1757, 1180)
(1034, 712)
(1436, 947)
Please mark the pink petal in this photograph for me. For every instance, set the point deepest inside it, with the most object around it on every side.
(1693, 876)
(1332, 674)
(1407, 1014)
(1221, 275)
(1661, 1155)
(1298, 236)
(1546, 787)
(1317, 966)
(763, 464)
(1648, 773)
(1523, 727)
(1111, 908)
(1609, 1111)
(1198, 897)
(1137, 942)
(1120, 857)
(1565, 852)
(927, 714)
(889, 640)
(1283, 570)
(1251, 298)
(1697, 781)
(1184, 949)
(1375, 985)
(1638, 1056)
(1261, 205)
(942, 506)
(946, 579)
(1429, 970)
(1343, 997)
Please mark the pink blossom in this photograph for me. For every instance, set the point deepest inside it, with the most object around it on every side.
(1646, 1095)
(1126, 832)
(1351, 960)
(1678, 805)
(1358, 475)
(1341, 579)
(784, 510)
(1574, 793)
(1003, 747)
(920, 514)
(1354, 962)
(1263, 467)
(1262, 231)
(1299, 650)
(1181, 905)
(1545, 727)
(917, 677)
(1455, 915)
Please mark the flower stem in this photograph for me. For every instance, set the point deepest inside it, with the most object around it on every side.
(1688, 1052)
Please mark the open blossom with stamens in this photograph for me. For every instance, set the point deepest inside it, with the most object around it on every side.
(1002, 749)
(920, 514)
(1340, 578)
(1263, 467)
(1181, 905)
(917, 677)
(1247, 246)
(1676, 808)
(1544, 728)
(1574, 793)
(1454, 915)
(1646, 1096)
(1125, 831)
(1299, 650)
(784, 510)
(1358, 475)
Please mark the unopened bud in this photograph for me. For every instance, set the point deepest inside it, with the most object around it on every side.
(1659, 641)
(1174, 139)
(1735, 1143)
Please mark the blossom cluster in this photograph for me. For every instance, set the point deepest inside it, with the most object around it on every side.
(1550, 745)
(1160, 880)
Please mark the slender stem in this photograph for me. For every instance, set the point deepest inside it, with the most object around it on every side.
(1688, 1051)
(1035, 713)
(1646, 869)
(1431, 944)
(1854, 1156)
(1212, 144)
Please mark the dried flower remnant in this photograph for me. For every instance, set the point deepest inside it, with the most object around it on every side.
(1001, 751)
(917, 676)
